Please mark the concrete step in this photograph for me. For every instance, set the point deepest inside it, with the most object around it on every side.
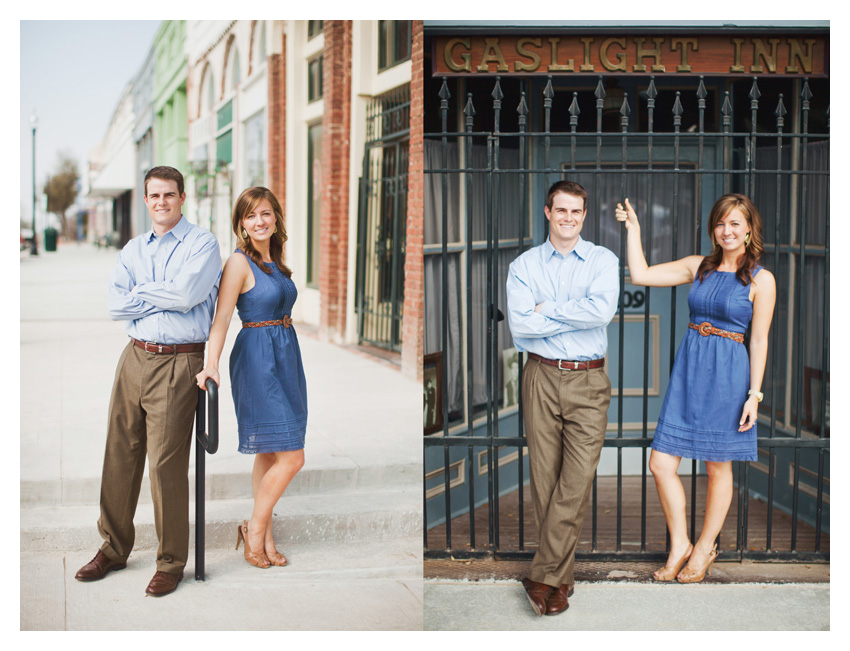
(230, 479)
(299, 519)
(325, 586)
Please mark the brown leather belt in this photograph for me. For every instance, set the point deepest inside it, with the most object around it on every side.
(170, 349)
(705, 329)
(286, 321)
(569, 365)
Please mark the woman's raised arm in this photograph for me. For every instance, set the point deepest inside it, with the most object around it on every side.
(667, 274)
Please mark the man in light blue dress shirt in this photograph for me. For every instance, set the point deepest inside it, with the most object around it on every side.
(164, 286)
(561, 297)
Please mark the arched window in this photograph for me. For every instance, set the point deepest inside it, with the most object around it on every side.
(233, 74)
(207, 92)
(260, 43)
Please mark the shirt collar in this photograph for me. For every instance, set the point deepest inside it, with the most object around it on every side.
(581, 249)
(179, 231)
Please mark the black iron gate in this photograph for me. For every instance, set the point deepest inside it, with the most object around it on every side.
(673, 148)
(382, 220)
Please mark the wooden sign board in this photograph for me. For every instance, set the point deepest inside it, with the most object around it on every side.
(691, 54)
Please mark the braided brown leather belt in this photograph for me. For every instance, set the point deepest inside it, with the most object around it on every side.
(705, 329)
(286, 321)
(169, 349)
(569, 365)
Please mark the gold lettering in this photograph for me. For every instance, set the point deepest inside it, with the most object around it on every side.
(682, 45)
(642, 53)
(587, 66)
(796, 52)
(760, 52)
(569, 66)
(737, 67)
(492, 54)
(535, 58)
(466, 66)
(603, 54)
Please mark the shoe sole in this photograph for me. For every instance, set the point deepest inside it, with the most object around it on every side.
(537, 610)
(116, 568)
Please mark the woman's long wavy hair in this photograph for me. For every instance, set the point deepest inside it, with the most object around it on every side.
(753, 251)
(245, 205)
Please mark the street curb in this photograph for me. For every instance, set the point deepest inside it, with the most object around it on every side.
(71, 491)
(342, 518)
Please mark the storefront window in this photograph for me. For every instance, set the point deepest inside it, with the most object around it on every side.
(314, 202)
(255, 150)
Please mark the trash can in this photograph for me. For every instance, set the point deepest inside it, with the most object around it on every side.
(50, 235)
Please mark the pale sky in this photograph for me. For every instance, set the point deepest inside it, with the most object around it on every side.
(72, 75)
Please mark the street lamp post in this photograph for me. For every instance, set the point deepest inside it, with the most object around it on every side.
(34, 123)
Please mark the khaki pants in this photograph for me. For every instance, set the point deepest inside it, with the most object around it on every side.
(151, 412)
(565, 415)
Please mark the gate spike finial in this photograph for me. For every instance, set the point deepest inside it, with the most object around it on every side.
(755, 93)
(677, 111)
(444, 91)
(806, 94)
(522, 109)
(727, 111)
(600, 90)
(651, 93)
(575, 111)
(702, 93)
(624, 112)
(780, 113)
(548, 92)
(497, 93)
(469, 111)
(677, 105)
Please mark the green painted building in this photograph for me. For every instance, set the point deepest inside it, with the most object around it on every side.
(169, 96)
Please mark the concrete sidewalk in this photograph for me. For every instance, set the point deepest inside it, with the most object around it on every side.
(350, 523)
(503, 606)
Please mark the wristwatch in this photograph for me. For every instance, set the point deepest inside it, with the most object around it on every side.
(758, 394)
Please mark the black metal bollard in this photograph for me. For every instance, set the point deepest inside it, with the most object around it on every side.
(205, 442)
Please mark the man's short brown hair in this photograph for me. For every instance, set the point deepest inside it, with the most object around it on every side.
(567, 187)
(165, 173)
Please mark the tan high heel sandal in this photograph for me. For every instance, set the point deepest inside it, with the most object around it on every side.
(668, 573)
(689, 575)
(276, 558)
(257, 560)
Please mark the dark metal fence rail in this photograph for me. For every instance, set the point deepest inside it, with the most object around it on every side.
(727, 140)
(205, 443)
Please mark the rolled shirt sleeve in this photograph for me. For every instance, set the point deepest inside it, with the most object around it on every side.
(121, 302)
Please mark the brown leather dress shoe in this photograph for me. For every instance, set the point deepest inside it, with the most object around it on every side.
(163, 583)
(558, 602)
(98, 567)
(537, 594)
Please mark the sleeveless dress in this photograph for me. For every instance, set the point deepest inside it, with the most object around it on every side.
(267, 377)
(710, 378)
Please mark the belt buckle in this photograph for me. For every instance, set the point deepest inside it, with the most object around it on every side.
(567, 368)
(704, 328)
(155, 345)
(287, 320)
